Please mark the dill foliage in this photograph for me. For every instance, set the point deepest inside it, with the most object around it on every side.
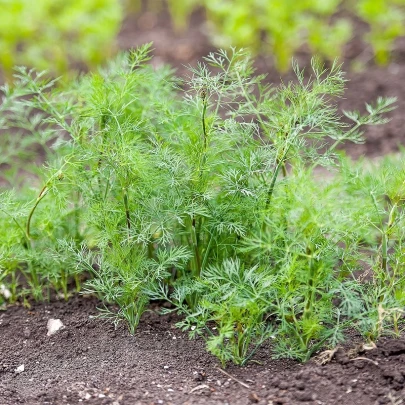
(203, 192)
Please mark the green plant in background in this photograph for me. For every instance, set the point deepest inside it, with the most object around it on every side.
(56, 35)
(281, 27)
(208, 201)
(387, 21)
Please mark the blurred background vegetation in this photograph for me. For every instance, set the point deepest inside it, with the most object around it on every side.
(57, 34)
(79, 34)
(281, 27)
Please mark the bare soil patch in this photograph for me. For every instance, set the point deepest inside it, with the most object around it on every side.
(90, 361)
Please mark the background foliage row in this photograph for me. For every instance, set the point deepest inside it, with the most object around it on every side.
(281, 27)
(207, 198)
(58, 35)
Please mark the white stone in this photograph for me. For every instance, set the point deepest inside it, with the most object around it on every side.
(19, 369)
(54, 325)
(5, 292)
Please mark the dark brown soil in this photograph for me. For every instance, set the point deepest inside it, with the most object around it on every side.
(89, 361)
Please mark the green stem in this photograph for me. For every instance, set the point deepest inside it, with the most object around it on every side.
(296, 332)
(77, 282)
(385, 238)
(193, 231)
(17, 223)
(41, 195)
(284, 170)
(197, 258)
(150, 250)
(207, 252)
(204, 111)
(100, 159)
(77, 218)
(347, 135)
(127, 212)
(310, 297)
(64, 285)
(205, 137)
(279, 165)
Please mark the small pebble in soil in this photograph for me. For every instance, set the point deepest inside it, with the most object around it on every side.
(19, 369)
(199, 375)
(53, 326)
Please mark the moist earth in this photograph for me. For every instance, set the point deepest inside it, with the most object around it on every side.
(92, 362)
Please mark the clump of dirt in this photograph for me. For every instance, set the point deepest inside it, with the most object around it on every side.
(90, 361)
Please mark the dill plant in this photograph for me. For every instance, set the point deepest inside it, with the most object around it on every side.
(210, 201)
(43, 209)
(380, 187)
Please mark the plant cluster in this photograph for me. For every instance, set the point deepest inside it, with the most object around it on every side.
(209, 201)
(280, 27)
(53, 35)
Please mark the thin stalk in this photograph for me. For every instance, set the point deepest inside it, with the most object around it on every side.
(339, 141)
(64, 282)
(280, 164)
(77, 217)
(347, 135)
(385, 238)
(204, 111)
(150, 249)
(310, 298)
(385, 233)
(17, 223)
(384, 252)
(298, 335)
(41, 195)
(284, 170)
(100, 159)
(193, 229)
(207, 252)
(205, 135)
(77, 282)
(127, 212)
(197, 258)
(13, 286)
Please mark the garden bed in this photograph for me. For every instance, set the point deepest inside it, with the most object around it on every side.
(90, 361)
